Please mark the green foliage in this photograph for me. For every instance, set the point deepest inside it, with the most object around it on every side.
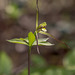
(18, 40)
(5, 64)
(31, 38)
(25, 41)
(36, 73)
(43, 42)
(25, 72)
(40, 68)
(30, 41)
(13, 11)
(69, 60)
(57, 71)
(43, 39)
(38, 61)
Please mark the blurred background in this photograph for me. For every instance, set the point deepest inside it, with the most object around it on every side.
(17, 18)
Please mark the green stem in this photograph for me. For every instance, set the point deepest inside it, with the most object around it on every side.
(37, 21)
(37, 14)
(29, 53)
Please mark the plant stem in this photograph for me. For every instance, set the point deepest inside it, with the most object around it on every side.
(37, 21)
(37, 13)
(29, 53)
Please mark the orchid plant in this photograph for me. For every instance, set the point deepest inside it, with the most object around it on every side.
(33, 38)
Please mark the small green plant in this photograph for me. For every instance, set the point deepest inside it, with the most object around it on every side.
(33, 39)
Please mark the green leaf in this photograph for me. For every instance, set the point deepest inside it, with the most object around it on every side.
(36, 73)
(36, 59)
(15, 11)
(5, 64)
(57, 71)
(25, 41)
(43, 42)
(43, 39)
(69, 60)
(18, 40)
(25, 71)
(31, 38)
